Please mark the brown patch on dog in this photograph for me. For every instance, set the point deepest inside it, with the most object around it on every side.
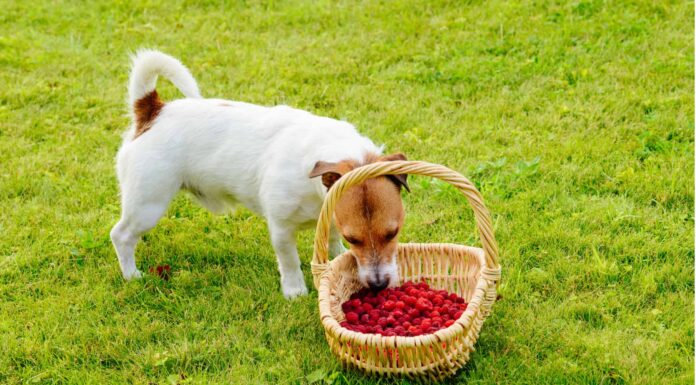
(146, 110)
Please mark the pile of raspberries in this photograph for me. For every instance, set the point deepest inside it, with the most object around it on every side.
(409, 310)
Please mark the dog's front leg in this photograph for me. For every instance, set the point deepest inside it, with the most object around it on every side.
(291, 278)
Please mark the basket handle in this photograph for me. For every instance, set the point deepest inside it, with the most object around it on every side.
(320, 258)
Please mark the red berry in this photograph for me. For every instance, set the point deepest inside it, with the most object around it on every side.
(365, 319)
(417, 321)
(352, 317)
(400, 304)
(426, 324)
(458, 314)
(374, 315)
(356, 303)
(389, 305)
(391, 320)
(415, 330)
(449, 323)
(434, 314)
(397, 313)
(423, 304)
(406, 325)
(366, 307)
(382, 322)
(399, 330)
(413, 313)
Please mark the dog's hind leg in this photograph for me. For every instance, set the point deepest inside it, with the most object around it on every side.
(144, 201)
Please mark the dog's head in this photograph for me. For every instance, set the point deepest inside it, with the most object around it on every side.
(369, 216)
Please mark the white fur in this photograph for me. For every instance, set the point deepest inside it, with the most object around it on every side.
(147, 64)
(227, 153)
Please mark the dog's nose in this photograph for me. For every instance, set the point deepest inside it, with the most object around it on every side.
(378, 283)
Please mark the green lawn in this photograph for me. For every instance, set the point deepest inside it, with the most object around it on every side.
(574, 119)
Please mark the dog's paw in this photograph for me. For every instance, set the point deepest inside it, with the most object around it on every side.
(294, 286)
(135, 274)
(294, 292)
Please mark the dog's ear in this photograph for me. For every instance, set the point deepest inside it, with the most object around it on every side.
(330, 172)
(400, 179)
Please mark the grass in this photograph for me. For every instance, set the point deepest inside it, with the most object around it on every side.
(575, 119)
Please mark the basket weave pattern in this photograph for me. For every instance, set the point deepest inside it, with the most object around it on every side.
(470, 272)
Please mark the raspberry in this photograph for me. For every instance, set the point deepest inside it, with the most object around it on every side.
(423, 305)
(458, 314)
(382, 322)
(374, 315)
(449, 323)
(356, 303)
(391, 320)
(397, 313)
(434, 314)
(400, 304)
(426, 324)
(366, 307)
(389, 305)
(365, 318)
(415, 330)
(352, 317)
(346, 307)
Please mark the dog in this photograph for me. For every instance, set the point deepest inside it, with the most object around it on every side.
(279, 162)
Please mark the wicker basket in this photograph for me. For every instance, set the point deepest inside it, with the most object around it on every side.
(468, 271)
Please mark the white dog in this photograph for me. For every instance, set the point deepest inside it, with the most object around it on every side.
(228, 153)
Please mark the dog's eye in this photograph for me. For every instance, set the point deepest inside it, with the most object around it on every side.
(353, 241)
(390, 235)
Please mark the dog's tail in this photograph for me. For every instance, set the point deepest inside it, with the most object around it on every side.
(143, 99)
(148, 64)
